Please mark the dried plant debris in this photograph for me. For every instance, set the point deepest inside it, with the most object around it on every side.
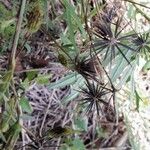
(57, 116)
(55, 113)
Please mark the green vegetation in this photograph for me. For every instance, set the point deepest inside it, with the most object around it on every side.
(96, 46)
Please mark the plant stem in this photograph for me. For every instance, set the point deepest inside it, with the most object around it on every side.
(142, 13)
(133, 2)
(16, 37)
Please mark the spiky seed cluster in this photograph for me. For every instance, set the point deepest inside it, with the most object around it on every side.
(111, 40)
(34, 18)
(141, 42)
(94, 97)
(138, 41)
(85, 67)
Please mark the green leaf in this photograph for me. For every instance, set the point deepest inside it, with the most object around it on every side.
(93, 12)
(31, 75)
(70, 97)
(25, 84)
(135, 144)
(25, 105)
(138, 99)
(82, 123)
(4, 84)
(70, 28)
(78, 144)
(43, 79)
(69, 79)
(146, 66)
(7, 23)
(126, 76)
(76, 19)
(74, 90)
(28, 47)
(12, 136)
(2, 137)
(26, 117)
(4, 126)
(4, 12)
(121, 64)
(131, 12)
(66, 42)
(101, 132)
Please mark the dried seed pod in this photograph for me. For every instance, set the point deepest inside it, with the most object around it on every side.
(60, 131)
(34, 18)
(63, 60)
(39, 62)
